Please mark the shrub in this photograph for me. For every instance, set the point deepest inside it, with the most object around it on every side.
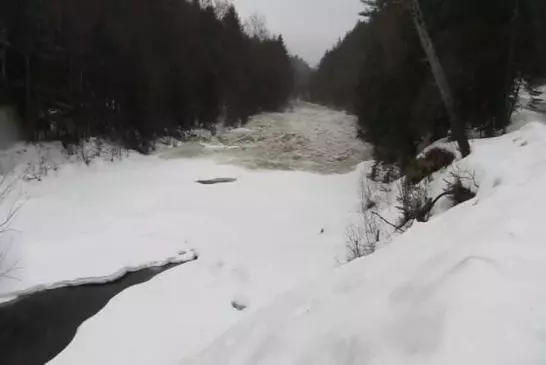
(385, 173)
(361, 240)
(457, 188)
(10, 206)
(413, 203)
(432, 160)
(366, 200)
(39, 169)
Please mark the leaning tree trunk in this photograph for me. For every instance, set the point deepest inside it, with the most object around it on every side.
(457, 126)
(509, 105)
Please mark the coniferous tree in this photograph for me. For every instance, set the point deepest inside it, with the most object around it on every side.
(487, 49)
(134, 70)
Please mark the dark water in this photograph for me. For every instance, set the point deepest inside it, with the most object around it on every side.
(37, 327)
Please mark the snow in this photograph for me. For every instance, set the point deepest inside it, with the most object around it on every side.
(465, 288)
(255, 238)
(181, 258)
(85, 222)
(89, 223)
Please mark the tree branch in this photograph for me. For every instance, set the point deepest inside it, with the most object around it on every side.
(398, 228)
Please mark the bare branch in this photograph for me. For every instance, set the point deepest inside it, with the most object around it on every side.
(6, 192)
(398, 228)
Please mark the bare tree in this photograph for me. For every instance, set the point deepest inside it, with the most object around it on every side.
(362, 239)
(255, 26)
(10, 206)
(221, 7)
(457, 125)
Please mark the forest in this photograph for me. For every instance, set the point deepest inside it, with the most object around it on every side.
(489, 50)
(131, 71)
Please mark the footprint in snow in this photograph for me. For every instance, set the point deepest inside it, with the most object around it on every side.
(240, 303)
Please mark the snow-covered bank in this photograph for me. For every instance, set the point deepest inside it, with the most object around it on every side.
(465, 288)
(181, 258)
(89, 222)
(96, 221)
(256, 239)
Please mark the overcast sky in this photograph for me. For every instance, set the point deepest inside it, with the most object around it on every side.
(309, 27)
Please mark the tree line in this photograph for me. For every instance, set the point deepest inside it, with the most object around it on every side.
(389, 69)
(134, 70)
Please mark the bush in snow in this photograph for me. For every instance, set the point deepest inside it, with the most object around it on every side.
(9, 206)
(36, 170)
(432, 160)
(362, 239)
(40, 159)
(385, 173)
(461, 187)
(366, 197)
(413, 203)
(97, 148)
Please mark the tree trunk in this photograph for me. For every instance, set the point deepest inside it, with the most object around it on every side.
(457, 125)
(27, 89)
(510, 76)
(4, 62)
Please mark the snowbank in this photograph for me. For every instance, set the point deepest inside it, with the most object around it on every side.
(181, 258)
(256, 238)
(91, 224)
(465, 288)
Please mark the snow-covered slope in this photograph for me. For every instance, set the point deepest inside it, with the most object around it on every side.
(465, 288)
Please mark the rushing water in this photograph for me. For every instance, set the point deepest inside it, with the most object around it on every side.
(307, 138)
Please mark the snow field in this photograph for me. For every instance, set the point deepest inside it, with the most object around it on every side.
(466, 287)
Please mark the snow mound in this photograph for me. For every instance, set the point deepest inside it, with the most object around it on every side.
(465, 288)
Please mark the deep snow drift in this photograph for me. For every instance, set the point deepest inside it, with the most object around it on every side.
(465, 288)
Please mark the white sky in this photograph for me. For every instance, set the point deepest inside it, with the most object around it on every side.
(309, 27)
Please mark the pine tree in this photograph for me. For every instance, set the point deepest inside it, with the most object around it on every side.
(480, 53)
(133, 70)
